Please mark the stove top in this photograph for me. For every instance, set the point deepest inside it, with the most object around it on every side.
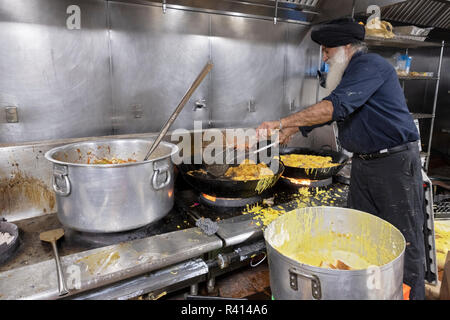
(105, 259)
(31, 250)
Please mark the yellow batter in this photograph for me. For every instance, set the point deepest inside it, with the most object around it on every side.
(327, 258)
(442, 240)
(308, 239)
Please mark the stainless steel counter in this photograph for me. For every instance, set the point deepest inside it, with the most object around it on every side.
(97, 267)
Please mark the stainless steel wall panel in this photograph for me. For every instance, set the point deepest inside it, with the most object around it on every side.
(249, 58)
(57, 78)
(301, 59)
(155, 59)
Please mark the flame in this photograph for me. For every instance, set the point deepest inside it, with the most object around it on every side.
(303, 182)
(210, 198)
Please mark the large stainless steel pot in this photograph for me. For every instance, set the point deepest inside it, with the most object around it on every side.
(371, 236)
(106, 198)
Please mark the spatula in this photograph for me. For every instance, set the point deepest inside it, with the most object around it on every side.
(52, 236)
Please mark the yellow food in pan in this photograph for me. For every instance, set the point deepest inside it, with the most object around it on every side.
(248, 170)
(307, 161)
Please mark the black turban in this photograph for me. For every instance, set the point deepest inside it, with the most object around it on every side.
(338, 33)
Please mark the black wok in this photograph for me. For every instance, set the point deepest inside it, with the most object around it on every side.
(227, 188)
(314, 173)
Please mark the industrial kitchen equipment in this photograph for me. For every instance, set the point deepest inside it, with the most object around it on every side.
(112, 197)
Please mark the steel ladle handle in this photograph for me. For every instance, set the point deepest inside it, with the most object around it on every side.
(180, 106)
(61, 282)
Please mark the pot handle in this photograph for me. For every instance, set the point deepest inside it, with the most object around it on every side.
(61, 172)
(315, 282)
(159, 170)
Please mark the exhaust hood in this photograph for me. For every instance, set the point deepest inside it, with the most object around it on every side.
(421, 13)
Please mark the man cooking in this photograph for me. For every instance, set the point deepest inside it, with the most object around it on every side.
(369, 107)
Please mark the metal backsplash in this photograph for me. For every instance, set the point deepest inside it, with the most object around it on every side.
(155, 58)
(128, 66)
(124, 72)
(58, 79)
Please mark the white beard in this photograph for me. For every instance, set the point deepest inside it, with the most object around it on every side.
(337, 65)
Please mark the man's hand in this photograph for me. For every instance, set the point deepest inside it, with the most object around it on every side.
(286, 135)
(265, 128)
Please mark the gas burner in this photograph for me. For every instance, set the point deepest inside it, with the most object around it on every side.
(228, 202)
(297, 183)
(93, 240)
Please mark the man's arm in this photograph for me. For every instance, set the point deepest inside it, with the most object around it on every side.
(319, 113)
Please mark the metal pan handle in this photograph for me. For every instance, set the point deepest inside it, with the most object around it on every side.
(62, 173)
(315, 282)
(157, 172)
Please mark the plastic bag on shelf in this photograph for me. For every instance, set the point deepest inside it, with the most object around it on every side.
(381, 29)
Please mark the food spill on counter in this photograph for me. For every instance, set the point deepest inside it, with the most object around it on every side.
(305, 197)
(98, 262)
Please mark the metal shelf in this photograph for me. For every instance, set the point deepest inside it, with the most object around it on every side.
(404, 43)
(417, 78)
(399, 43)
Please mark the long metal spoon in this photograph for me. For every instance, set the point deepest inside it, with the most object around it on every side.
(180, 106)
(52, 236)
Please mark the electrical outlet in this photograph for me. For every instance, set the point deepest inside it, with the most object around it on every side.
(11, 115)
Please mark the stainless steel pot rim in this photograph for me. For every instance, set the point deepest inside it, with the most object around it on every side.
(49, 154)
(335, 271)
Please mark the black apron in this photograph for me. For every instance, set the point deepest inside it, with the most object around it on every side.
(392, 189)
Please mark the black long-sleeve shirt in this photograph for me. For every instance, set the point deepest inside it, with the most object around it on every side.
(369, 107)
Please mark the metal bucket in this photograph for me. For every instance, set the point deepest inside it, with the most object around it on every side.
(105, 198)
(330, 228)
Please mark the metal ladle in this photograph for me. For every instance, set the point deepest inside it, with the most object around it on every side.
(180, 106)
(52, 236)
